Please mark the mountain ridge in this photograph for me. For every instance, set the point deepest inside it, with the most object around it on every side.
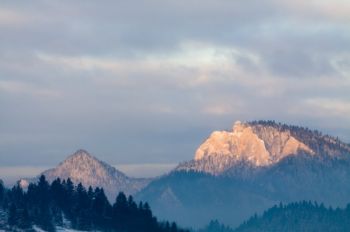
(230, 183)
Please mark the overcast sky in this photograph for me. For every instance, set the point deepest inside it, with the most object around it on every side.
(141, 81)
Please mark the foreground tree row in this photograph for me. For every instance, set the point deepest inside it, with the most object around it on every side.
(64, 204)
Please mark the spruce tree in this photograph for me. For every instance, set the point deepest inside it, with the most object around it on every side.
(12, 215)
(119, 212)
(101, 209)
(2, 192)
(24, 221)
(90, 193)
(44, 219)
(173, 227)
(57, 192)
(81, 208)
(68, 196)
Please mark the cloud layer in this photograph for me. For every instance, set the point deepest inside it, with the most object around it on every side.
(146, 81)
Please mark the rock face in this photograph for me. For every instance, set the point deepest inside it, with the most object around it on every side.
(239, 144)
(255, 145)
(81, 167)
(246, 170)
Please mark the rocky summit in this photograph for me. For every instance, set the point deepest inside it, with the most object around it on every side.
(259, 144)
(81, 167)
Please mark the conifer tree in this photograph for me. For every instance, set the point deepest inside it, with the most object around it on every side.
(23, 221)
(12, 215)
(101, 209)
(44, 219)
(120, 211)
(2, 192)
(81, 208)
(173, 227)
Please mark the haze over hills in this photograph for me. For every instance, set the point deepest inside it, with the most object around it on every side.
(81, 167)
(237, 173)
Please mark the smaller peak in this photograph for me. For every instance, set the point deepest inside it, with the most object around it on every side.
(81, 152)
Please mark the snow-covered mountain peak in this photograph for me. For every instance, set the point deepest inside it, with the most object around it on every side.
(258, 145)
(80, 157)
(252, 143)
(241, 143)
(83, 164)
(81, 154)
(82, 167)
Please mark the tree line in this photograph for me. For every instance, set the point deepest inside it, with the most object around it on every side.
(62, 203)
(304, 216)
(301, 216)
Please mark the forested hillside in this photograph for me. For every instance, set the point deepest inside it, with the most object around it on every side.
(302, 216)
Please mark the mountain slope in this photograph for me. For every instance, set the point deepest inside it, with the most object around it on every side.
(193, 199)
(81, 167)
(237, 173)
